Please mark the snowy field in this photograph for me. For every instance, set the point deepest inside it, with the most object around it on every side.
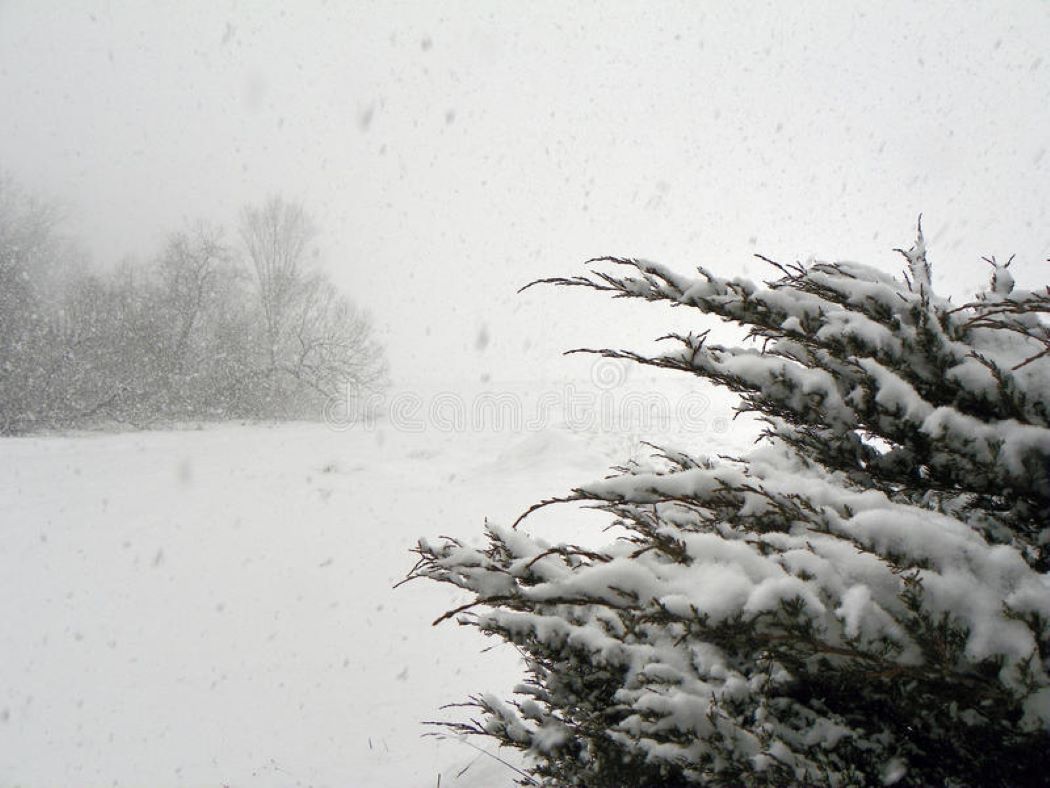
(216, 606)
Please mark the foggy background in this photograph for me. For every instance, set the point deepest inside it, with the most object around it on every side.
(450, 153)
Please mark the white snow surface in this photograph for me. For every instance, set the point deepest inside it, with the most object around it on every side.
(216, 606)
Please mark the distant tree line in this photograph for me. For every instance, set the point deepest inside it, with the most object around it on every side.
(207, 330)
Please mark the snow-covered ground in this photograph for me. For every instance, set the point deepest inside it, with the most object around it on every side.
(216, 606)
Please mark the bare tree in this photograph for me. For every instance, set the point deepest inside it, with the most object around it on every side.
(333, 344)
(276, 237)
(31, 250)
(189, 268)
(315, 339)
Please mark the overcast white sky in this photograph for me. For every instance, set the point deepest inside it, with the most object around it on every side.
(451, 152)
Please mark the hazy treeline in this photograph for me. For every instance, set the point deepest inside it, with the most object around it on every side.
(208, 329)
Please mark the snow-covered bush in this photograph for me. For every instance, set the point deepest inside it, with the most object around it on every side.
(863, 600)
